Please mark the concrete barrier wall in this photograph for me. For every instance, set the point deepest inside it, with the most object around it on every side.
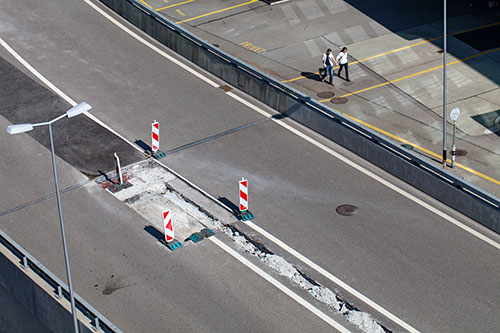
(34, 299)
(34, 287)
(402, 163)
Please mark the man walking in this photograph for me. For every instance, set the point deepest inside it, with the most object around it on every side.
(328, 61)
(342, 62)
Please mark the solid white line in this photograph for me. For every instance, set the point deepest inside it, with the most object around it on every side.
(280, 286)
(369, 173)
(153, 47)
(331, 277)
(281, 123)
(307, 138)
(59, 92)
(390, 185)
(36, 73)
(254, 268)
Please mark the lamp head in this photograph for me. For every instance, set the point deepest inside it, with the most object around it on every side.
(78, 109)
(19, 128)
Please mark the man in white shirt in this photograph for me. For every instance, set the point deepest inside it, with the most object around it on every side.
(328, 61)
(342, 62)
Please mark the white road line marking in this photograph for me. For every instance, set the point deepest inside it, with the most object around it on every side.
(331, 277)
(369, 173)
(233, 253)
(280, 286)
(257, 109)
(36, 73)
(153, 47)
(59, 92)
(314, 142)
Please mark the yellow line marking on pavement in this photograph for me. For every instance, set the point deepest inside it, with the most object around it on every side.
(217, 11)
(403, 48)
(180, 13)
(145, 3)
(427, 151)
(252, 47)
(416, 74)
(174, 5)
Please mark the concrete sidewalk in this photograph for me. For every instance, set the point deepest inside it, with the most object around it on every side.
(395, 67)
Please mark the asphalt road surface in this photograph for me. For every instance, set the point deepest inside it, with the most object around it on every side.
(413, 262)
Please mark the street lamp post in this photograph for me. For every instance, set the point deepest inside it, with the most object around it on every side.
(21, 128)
(444, 84)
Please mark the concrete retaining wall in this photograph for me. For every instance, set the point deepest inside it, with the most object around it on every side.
(404, 164)
(33, 287)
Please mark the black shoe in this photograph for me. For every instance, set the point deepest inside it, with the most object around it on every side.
(348, 80)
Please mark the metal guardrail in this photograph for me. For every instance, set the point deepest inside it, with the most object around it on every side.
(60, 288)
(399, 161)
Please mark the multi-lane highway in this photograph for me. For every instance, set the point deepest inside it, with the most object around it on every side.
(425, 264)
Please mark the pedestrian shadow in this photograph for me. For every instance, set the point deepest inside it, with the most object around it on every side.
(312, 76)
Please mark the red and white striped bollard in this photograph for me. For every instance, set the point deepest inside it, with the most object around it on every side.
(155, 136)
(168, 226)
(243, 195)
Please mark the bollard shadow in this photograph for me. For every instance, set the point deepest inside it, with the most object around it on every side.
(154, 232)
(143, 145)
(312, 76)
(229, 203)
(106, 178)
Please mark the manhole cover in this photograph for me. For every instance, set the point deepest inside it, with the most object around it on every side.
(339, 100)
(347, 210)
(460, 152)
(326, 94)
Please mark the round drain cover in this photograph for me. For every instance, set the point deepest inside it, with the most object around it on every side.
(339, 100)
(326, 94)
(347, 210)
(460, 152)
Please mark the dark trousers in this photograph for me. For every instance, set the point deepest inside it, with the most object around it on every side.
(329, 72)
(346, 65)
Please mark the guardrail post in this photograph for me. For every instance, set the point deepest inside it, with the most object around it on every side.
(95, 324)
(24, 264)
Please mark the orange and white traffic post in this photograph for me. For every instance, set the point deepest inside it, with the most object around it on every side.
(155, 136)
(244, 213)
(168, 227)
